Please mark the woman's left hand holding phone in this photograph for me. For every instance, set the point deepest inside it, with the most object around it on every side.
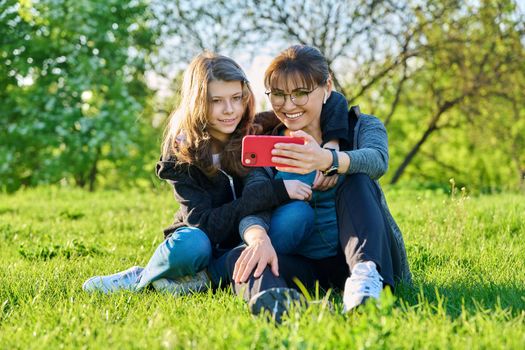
(258, 254)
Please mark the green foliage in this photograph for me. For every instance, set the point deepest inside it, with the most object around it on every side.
(460, 107)
(72, 90)
(466, 254)
(446, 77)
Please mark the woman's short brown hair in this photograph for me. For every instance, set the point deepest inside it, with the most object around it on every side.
(304, 65)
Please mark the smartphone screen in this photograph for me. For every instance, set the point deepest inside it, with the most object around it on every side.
(257, 149)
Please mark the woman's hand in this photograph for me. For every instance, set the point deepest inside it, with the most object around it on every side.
(301, 159)
(323, 183)
(298, 190)
(259, 252)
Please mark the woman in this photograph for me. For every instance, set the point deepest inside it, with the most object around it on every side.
(201, 159)
(371, 254)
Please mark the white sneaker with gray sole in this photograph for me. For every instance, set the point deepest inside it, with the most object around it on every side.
(123, 280)
(183, 285)
(364, 283)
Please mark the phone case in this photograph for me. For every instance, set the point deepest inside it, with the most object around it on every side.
(257, 149)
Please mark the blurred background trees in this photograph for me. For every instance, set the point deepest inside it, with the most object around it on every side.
(81, 103)
(73, 91)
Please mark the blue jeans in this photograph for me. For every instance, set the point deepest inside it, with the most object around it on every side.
(297, 228)
(186, 252)
(291, 225)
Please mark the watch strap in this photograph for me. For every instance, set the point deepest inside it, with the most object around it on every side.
(333, 169)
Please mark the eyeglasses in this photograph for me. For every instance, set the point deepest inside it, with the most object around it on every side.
(298, 97)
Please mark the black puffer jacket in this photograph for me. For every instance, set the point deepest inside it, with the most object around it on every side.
(216, 205)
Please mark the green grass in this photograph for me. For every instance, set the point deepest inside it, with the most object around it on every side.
(467, 256)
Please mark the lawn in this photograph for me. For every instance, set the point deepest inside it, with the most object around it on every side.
(467, 256)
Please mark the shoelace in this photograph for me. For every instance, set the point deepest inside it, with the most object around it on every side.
(123, 280)
(367, 284)
(185, 283)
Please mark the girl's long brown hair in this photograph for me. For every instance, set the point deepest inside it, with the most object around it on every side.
(186, 137)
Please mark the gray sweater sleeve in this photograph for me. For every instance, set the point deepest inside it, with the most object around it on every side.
(370, 154)
(262, 218)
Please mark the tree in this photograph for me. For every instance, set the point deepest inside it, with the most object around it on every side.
(72, 87)
(423, 66)
(472, 50)
(352, 35)
(189, 27)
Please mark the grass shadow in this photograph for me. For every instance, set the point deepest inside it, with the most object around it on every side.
(461, 298)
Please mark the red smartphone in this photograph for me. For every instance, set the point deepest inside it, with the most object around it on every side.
(257, 149)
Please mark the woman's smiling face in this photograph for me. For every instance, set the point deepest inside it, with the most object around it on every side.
(301, 117)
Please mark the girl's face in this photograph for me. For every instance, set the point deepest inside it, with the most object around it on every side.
(301, 117)
(226, 108)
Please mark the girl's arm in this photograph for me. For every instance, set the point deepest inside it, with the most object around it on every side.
(295, 189)
(257, 255)
(219, 223)
(253, 229)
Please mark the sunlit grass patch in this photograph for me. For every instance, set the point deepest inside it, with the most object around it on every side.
(466, 255)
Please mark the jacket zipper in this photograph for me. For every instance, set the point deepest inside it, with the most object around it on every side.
(230, 179)
(231, 183)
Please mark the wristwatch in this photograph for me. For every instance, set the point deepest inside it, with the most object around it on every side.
(333, 169)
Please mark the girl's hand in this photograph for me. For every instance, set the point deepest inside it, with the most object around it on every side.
(301, 159)
(298, 190)
(259, 252)
(323, 183)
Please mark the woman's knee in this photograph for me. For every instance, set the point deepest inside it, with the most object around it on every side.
(290, 225)
(357, 186)
(292, 216)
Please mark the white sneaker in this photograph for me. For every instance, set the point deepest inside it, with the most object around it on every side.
(183, 285)
(364, 282)
(124, 280)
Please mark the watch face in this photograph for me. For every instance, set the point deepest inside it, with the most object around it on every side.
(330, 171)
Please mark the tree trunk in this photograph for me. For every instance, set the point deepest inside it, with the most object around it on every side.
(431, 128)
(397, 96)
(401, 169)
(93, 172)
(80, 181)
